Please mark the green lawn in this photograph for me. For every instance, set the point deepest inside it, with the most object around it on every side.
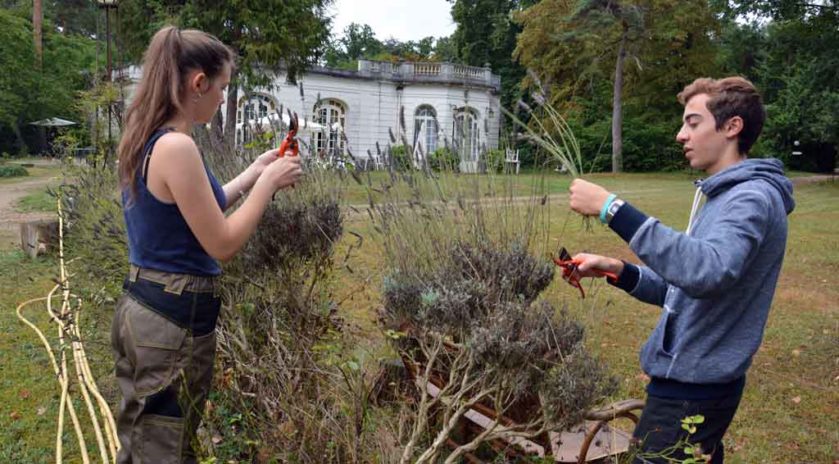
(520, 185)
(791, 405)
(28, 388)
(39, 201)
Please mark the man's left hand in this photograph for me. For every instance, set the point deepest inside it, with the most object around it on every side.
(587, 198)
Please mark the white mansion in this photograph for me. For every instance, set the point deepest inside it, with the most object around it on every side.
(441, 101)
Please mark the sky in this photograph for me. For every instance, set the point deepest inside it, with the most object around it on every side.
(402, 19)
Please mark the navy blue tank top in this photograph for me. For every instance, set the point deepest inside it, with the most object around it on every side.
(158, 235)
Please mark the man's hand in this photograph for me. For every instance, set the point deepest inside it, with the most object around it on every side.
(591, 264)
(587, 198)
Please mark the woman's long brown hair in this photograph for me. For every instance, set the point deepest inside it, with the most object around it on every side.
(171, 55)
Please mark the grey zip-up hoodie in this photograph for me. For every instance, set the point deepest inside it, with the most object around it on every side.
(716, 284)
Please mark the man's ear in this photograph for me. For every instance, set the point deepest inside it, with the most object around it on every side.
(734, 126)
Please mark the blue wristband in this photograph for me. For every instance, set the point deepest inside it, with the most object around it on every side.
(605, 208)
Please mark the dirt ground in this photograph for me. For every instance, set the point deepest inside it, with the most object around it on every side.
(10, 192)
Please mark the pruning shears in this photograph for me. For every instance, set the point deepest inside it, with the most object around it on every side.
(289, 143)
(570, 273)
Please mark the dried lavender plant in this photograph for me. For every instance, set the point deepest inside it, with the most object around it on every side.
(549, 130)
(461, 306)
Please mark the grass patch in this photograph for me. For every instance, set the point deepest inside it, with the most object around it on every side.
(28, 411)
(40, 201)
(521, 185)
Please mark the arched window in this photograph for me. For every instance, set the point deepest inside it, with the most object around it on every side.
(251, 109)
(331, 114)
(425, 128)
(467, 134)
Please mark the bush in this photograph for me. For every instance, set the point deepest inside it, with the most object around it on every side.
(13, 170)
(495, 160)
(400, 158)
(280, 341)
(483, 301)
(460, 304)
(95, 229)
(444, 159)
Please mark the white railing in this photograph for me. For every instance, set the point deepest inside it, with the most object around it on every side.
(470, 72)
(448, 72)
(427, 69)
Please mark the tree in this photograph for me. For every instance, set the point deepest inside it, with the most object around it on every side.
(579, 49)
(359, 42)
(486, 34)
(37, 30)
(269, 37)
(26, 93)
(795, 67)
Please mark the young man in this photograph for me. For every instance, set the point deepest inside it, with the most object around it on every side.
(716, 280)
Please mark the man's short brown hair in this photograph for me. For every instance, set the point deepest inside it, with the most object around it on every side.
(729, 97)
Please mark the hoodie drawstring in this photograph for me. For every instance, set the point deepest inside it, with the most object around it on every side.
(697, 197)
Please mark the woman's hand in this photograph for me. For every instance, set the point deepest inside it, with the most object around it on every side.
(282, 172)
(263, 160)
(594, 265)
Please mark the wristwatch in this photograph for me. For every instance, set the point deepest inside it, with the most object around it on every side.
(613, 209)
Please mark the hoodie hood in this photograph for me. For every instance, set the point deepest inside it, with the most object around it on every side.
(769, 169)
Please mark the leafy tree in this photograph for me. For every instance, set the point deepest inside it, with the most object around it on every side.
(575, 48)
(486, 34)
(17, 58)
(269, 36)
(359, 42)
(790, 56)
(28, 93)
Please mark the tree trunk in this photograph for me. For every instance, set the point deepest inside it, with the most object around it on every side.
(37, 31)
(232, 106)
(217, 130)
(21, 142)
(38, 237)
(617, 113)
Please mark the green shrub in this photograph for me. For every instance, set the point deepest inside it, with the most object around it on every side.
(13, 170)
(95, 229)
(495, 160)
(400, 158)
(444, 159)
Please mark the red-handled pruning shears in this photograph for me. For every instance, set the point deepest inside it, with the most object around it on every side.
(570, 273)
(289, 143)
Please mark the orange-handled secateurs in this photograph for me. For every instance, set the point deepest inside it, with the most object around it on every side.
(570, 273)
(289, 143)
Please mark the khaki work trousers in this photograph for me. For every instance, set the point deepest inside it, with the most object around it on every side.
(164, 374)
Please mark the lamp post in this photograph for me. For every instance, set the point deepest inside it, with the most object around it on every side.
(107, 5)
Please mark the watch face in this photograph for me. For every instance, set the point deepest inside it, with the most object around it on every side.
(613, 208)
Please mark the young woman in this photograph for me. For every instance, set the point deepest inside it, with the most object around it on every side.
(164, 328)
